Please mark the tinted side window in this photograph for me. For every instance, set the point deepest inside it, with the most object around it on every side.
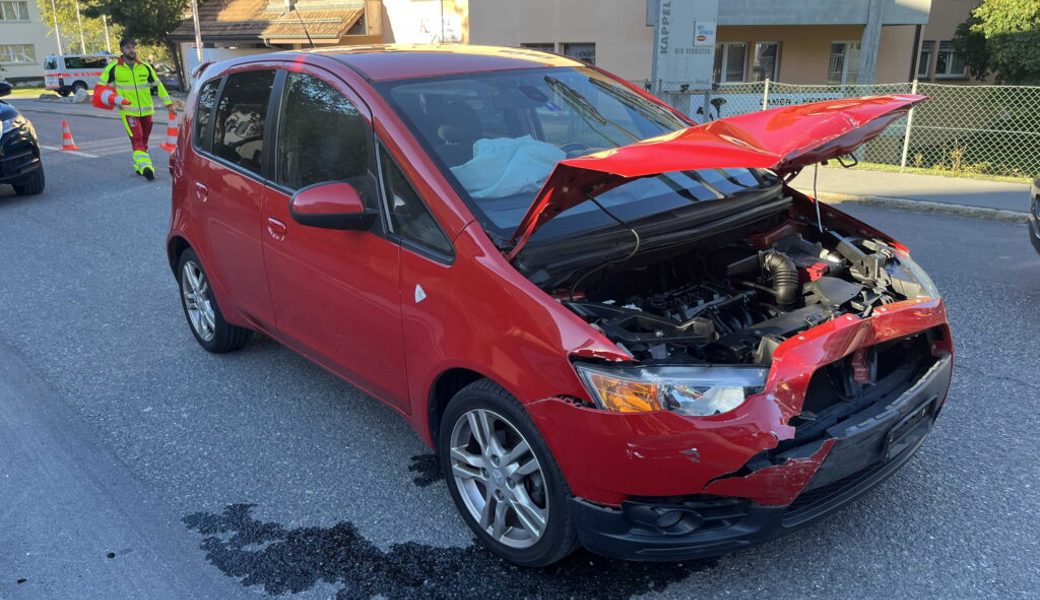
(95, 62)
(323, 136)
(238, 130)
(73, 62)
(204, 111)
(51, 63)
(409, 217)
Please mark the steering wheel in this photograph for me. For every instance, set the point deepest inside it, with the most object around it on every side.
(575, 148)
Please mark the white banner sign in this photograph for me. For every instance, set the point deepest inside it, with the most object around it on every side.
(685, 44)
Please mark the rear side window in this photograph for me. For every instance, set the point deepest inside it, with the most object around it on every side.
(238, 129)
(204, 112)
(73, 62)
(323, 137)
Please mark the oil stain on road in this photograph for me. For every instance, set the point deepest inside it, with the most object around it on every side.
(284, 561)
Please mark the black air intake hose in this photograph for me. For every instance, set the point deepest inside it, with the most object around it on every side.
(784, 275)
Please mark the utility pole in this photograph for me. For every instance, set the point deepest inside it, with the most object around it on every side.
(198, 34)
(57, 33)
(108, 44)
(79, 20)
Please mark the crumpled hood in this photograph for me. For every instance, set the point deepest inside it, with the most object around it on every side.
(782, 139)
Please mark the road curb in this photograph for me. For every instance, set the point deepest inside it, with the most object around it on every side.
(958, 210)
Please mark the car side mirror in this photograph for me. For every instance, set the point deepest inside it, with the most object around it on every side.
(5, 88)
(331, 205)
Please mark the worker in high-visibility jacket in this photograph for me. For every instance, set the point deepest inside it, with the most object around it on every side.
(135, 80)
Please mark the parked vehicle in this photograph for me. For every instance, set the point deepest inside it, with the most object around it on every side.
(68, 73)
(20, 164)
(1034, 215)
(168, 75)
(617, 328)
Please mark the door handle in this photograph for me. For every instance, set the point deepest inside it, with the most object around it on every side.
(276, 228)
(201, 191)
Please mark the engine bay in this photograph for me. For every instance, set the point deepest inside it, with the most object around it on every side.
(735, 302)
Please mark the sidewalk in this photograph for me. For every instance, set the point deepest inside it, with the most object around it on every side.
(935, 193)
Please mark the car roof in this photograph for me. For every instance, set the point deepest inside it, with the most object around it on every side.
(385, 62)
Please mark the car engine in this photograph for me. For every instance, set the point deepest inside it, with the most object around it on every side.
(737, 303)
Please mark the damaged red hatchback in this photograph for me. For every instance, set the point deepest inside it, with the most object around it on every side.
(618, 329)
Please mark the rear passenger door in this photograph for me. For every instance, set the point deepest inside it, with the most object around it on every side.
(230, 188)
(336, 294)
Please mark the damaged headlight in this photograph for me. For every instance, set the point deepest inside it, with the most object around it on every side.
(693, 391)
(927, 287)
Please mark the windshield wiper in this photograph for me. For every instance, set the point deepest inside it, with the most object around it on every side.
(586, 109)
(652, 111)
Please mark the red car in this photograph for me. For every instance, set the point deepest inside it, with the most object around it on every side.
(617, 328)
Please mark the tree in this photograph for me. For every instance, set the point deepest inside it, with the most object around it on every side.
(1002, 36)
(69, 27)
(147, 21)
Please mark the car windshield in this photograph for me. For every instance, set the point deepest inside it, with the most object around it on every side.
(499, 135)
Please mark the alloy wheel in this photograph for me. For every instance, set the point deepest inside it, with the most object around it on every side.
(198, 302)
(499, 478)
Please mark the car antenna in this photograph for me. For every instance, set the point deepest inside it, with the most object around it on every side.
(816, 196)
(291, 6)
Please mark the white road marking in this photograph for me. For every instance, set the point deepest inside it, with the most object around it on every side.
(75, 152)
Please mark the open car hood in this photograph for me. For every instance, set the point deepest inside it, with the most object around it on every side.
(782, 139)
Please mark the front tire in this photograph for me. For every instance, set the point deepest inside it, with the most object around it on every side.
(503, 478)
(206, 321)
(31, 185)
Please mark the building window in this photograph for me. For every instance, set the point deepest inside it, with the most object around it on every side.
(585, 52)
(766, 63)
(17, 54)
(730, 60)
(948, 64)
(924, 60)
(543, 47)
(844, 64)
(14, 11)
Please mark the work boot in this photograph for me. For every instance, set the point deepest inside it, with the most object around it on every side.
(148, 173)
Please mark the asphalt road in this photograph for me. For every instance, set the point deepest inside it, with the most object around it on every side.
(134, 464)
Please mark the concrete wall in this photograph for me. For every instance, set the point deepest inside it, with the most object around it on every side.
(946, 16)
(32, 32)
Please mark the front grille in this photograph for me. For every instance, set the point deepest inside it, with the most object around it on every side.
(812, 502)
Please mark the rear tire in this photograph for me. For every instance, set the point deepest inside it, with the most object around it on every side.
(205, 320)
(31, 185)
(510, 483)
(79, 85)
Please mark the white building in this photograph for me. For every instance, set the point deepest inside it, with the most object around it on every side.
(24, 42)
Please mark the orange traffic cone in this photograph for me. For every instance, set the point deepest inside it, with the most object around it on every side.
(171, 134)
(67, 143)
(107, 98)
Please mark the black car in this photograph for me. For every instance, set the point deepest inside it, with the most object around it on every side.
(20, 163)
(1034, 215)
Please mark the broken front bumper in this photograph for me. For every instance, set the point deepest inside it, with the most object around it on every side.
(860, 456)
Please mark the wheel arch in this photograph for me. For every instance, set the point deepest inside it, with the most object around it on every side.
(174, 248)
(444, 388)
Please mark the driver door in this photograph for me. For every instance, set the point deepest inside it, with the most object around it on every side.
(336, 293)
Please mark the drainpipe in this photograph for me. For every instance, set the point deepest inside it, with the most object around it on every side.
(871, 42)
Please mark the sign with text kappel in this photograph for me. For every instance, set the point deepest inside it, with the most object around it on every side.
(685, 44)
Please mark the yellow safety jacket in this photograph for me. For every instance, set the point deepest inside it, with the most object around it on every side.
(135, 83)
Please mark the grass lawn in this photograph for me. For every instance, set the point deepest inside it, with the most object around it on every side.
(31, 92)
(941, 172)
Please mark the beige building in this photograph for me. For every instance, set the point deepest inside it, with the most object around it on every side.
(793, 41)
(24, 41)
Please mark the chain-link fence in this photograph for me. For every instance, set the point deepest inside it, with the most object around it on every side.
(974, 129)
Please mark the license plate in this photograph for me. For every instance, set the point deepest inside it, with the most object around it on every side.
(910, 429)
